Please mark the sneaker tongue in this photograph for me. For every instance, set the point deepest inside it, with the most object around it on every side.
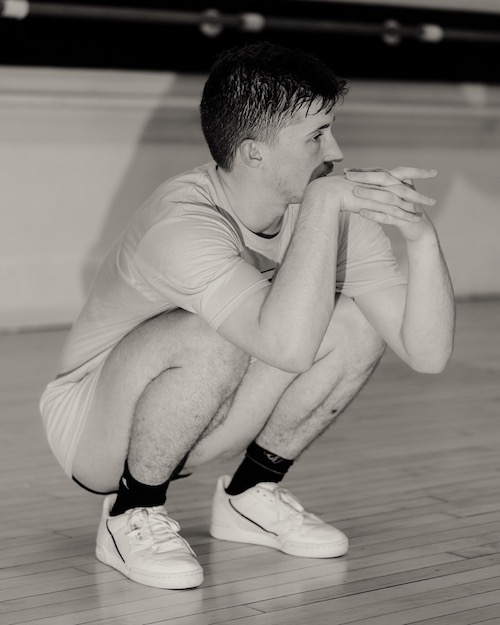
(144, 516)
(137, 519)
(270, 486)
(155, 527)
(285, 496)
(289, 499)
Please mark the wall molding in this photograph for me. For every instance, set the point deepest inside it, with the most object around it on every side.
(374, 112)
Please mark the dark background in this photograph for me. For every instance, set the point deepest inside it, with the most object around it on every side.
(85, 43)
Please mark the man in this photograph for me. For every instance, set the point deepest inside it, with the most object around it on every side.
(244, 306)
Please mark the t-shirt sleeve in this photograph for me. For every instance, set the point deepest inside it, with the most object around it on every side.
(366, 261)
(195, 264)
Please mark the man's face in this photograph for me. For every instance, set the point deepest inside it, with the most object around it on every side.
(304, 151)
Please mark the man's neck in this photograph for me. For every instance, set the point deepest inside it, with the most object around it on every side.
(255, 208)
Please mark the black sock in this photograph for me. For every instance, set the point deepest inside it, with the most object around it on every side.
(134, 494)
(259, 465)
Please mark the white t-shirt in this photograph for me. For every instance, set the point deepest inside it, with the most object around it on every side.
(186, 248)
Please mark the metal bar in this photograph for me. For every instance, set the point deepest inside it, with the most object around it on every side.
(212, 22)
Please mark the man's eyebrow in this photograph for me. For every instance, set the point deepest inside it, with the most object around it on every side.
(323, 127)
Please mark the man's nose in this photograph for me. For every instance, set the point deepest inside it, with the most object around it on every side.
(333, 153)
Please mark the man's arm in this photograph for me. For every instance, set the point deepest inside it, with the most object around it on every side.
(417, 320)
(284, 324)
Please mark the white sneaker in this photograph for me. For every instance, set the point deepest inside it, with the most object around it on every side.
(271, 516)
(144, 545)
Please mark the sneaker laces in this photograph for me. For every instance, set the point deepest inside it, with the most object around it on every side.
(289, 507)
(155, 529)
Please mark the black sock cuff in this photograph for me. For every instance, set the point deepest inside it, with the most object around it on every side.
(134, 494)
(267, 459)
(133, 484)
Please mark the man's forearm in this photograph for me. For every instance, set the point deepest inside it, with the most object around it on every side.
(299, 306)
(429, 320)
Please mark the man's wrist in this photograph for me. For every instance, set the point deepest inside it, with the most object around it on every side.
(427, 239)
(319, 193)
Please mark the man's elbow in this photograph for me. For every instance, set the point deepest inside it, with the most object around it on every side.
(297, 365)
(294, 360)
(433, 368)
(293, 363)
(431, 365)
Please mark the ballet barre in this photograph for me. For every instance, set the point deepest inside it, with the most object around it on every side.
(212, 22)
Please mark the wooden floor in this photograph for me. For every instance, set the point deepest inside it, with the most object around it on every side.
(411, 473)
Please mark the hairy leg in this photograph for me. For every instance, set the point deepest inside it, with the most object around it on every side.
(345, 362)
(159, 389)
(284, 412)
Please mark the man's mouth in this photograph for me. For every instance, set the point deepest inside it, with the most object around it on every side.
(328, 170)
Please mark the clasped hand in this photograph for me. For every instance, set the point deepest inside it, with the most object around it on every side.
(387, 197)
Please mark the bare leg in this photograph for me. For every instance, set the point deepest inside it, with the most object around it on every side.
(317, 397)
(284, 411)
(251, 507)
(162, 378)
(159, 389)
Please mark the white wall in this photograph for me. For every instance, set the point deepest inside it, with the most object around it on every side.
(80, 150)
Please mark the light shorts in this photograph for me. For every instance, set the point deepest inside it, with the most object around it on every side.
(64, 407)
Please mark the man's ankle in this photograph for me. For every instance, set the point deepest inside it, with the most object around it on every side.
(259, 465)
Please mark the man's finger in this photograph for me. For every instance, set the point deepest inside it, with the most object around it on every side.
(413, 173)
(382, 217)
(387, 203)
(385, 177)
(379, 177)
(408, 193)
(393, 194)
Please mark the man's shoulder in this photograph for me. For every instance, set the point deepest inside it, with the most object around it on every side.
(191, 200)
(183, 208)
(189, 187)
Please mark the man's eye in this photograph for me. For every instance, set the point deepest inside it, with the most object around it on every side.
(318, 136)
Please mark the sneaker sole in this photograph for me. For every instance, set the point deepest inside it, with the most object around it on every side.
(328, 550)
(177, 581)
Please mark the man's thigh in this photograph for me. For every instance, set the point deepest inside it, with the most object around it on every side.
(171, 340)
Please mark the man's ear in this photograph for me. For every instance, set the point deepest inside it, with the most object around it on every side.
(251, 153)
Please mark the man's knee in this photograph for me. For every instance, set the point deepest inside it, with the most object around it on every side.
(200, 347)
(363, 345)
(169, 341)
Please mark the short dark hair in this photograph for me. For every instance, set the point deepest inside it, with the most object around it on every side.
(255, 90)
